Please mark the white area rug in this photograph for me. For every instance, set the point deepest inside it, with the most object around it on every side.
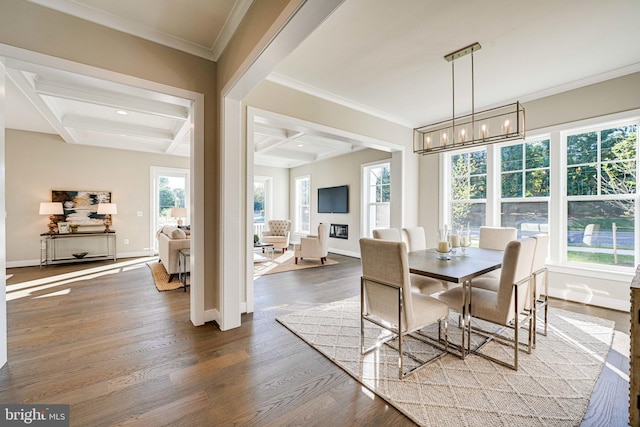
(551, 387)
(284, 262)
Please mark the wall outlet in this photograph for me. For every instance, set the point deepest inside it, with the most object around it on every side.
(139, 213)
(126, 241)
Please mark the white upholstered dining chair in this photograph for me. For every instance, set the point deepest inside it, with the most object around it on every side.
(415, 238)
(540, 282)
(392, 234)
(422, 284)
(497, 239)
(504, 306)
(387, 300)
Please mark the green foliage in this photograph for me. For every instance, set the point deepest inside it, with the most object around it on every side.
(600, 258)
(169, 197)
(531, 161)
(258, 199)
(618, 162)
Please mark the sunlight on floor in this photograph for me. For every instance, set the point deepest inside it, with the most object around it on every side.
(617, 371)
(28, 288)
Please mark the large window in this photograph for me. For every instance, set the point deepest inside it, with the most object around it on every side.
(303, 204)
(579, 185)
(468, 191)
(377, 197)
(524, 186)
(601, 195)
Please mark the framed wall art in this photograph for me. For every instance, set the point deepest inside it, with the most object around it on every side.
(81, 207)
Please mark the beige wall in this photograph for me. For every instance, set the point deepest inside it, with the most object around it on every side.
(343, 170)
(282, 100)
(35, 28)
(37, 163)
(608, 97)
(289, 102)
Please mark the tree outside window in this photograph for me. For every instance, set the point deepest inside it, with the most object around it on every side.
(469, 190)
(601, 191)
(524, 184)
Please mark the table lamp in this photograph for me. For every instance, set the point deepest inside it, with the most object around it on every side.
(52, 209)
(179, 213)
(107, 209)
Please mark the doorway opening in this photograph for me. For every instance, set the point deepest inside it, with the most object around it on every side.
(169, 190)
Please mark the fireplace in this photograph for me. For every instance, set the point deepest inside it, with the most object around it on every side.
(339, 231)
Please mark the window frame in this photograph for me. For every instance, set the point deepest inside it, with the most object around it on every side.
(598, 126)
(557, 199)
(299, 205)
(367, 227)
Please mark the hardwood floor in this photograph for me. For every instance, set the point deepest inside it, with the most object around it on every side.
(121, 353)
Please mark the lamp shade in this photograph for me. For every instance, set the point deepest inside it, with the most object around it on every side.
(107, 208)
(51, 208)
(179, 212)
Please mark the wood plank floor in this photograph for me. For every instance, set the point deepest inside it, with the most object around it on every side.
(121, 353)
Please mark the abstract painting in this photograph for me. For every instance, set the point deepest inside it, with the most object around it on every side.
(81, 207)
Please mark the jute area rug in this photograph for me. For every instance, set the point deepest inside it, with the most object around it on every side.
(161, 277)
(551, 387)
(284, 262)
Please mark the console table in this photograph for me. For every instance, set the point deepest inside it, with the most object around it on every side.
(50, 254)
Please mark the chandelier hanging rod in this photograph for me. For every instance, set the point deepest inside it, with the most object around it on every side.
(497, 124)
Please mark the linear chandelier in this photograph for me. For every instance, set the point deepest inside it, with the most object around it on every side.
(500, 124)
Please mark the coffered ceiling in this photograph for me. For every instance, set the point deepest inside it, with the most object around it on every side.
(95, 112)
(89, 111)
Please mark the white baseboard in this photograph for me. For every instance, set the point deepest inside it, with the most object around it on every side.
(25, 263)
(589, 299)
(212, 315)
(36, 262)
(345, 253)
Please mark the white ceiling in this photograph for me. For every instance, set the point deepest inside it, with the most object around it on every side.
(381, 57)
(387, 57)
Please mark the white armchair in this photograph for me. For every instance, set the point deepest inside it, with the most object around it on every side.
(278, 234)
(313, 246)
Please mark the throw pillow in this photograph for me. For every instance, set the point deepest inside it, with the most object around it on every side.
(178, 234)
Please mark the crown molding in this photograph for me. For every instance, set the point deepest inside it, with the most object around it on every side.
(124, 25)
(337, 99)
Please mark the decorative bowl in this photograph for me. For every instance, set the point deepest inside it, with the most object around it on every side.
(80, 255)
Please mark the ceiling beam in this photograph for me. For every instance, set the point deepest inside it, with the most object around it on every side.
(288, 154)
(111, 99)
(269, 131)
(27, 89)
(270, 145)
(107, 126)
(182, 135)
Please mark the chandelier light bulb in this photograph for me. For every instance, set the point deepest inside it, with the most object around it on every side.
(506, 126)
(462, 135)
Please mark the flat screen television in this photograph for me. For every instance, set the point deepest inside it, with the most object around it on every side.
(333, 199)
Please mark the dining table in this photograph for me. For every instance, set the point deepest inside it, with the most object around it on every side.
(459, 269)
